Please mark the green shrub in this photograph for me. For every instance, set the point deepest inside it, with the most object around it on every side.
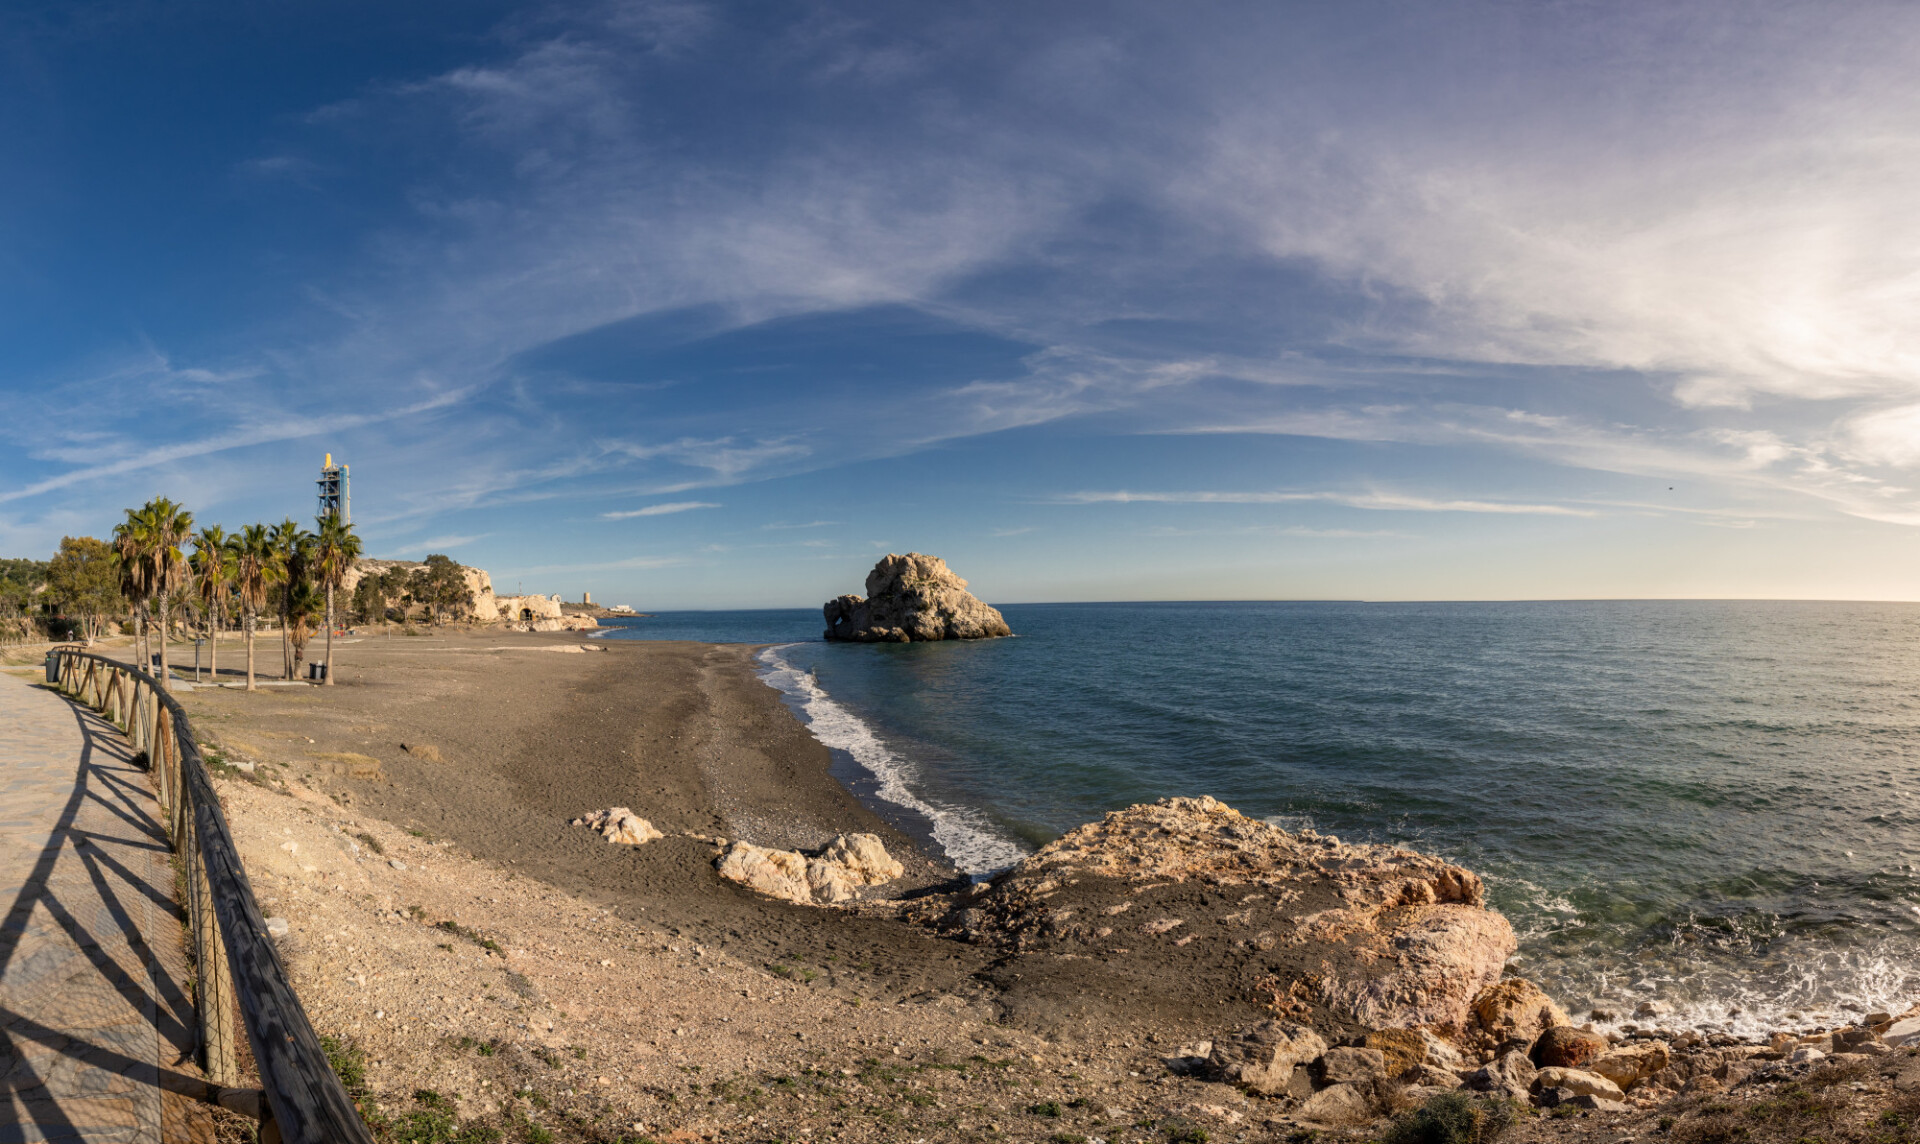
(1451, 1118)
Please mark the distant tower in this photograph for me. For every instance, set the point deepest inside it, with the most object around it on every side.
(336, 495)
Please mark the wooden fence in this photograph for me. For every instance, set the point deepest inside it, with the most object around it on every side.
(235, 959)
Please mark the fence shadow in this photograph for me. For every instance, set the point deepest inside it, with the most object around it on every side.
(95, 1017)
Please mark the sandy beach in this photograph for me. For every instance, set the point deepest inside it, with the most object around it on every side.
(478, 961)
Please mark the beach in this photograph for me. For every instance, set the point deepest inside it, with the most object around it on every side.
(452, 930)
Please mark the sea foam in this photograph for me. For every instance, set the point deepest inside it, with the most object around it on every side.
(965, 835)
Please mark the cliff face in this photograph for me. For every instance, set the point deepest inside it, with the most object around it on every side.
(522, 613)
(478, 582)
(909, 598)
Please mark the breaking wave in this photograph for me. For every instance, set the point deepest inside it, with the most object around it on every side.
(965, 835)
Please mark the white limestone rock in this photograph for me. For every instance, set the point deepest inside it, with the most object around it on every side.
(849, 861)
(864, 858)
(619, 825)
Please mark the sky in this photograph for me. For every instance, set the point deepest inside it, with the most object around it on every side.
(700, 305)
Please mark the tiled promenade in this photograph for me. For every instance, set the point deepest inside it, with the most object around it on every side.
(94, 1022)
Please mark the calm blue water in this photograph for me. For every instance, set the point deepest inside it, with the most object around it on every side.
(1714, 804)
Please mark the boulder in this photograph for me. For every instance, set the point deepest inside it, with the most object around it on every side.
(1402, 1048)
(1564, 1046)
(1370, 936)
(1902, 1032)
(828, 882)
(1261, 1058)
(912, 598)
(618, 824)
(1427, 1076)
(1514, 1009)
(1408, 1048)
(1630, 1064)
(1348, 1065)
(864, 858)
(1339, 1106)
(775, 873)
(1189, 1059)
(1579, 1081)
(850, 861)
(1511, 1076)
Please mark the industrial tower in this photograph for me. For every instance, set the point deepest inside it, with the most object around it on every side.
(336, 495)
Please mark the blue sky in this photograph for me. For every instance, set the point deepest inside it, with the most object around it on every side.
(709, 305)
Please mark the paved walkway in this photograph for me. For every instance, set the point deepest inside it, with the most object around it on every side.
(95, 1024)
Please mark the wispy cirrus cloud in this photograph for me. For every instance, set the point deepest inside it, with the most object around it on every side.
(1379, 501)
(288, 428)
(658, 509)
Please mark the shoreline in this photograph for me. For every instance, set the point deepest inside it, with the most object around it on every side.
(502, 750)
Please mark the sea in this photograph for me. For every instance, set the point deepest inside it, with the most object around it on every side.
(1710, 805)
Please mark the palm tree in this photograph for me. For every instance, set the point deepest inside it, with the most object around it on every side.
(254, 570)
(131, 541)
(334, 551)
(292, 548)
(170, 525)
(212, 572)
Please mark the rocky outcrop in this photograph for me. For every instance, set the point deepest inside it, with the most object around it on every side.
(1262, 1059)
(1513, 1010)
(1628, 1065)
(912, 598)
(849, 862)
(618, 824)
(1189, 890)
(518, 613)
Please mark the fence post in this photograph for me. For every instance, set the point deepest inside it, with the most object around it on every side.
(219, 1056)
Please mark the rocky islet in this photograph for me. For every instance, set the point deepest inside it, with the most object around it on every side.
(912, 598)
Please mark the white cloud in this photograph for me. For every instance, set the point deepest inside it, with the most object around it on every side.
(1887, 436)
(1749, 243)
(658, 509)
(446, 543)
(1385, 502)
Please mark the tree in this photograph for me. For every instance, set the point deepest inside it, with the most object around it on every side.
(212, 567)
(441, 586)
(84, 581)
(255, 570)
(366, 603)
(306, 606)
(335, 548)
(169, 526)
(20, 582)
(131, 540)
(393, 586)
(293, 552)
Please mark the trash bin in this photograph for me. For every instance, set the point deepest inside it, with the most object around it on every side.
(53, 668)
(316, 671)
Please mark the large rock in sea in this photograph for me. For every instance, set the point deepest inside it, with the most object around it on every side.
(1187, 904)
(910, 598)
